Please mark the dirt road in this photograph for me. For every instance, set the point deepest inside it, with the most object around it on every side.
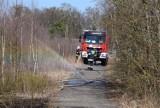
(87, 89)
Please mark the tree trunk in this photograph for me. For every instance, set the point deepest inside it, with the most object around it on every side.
(3, 55)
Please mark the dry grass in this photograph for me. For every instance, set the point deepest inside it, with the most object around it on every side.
(146, 102)
(52, 88)
(127, 101)
(58, 75)
(71, 59)
(110, 68)
(53, 68)
(50, 61)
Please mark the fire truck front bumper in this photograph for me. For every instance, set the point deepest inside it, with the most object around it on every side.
(84, 54)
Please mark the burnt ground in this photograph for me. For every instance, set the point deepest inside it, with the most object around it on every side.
(87, 89)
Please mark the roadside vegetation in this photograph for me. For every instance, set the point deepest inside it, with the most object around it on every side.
(134, 30)
(37, 48)
(32, 54)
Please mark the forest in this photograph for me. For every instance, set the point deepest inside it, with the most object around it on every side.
(34, 42)
(134, 27)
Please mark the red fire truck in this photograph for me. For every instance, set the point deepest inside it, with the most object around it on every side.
(98, 40)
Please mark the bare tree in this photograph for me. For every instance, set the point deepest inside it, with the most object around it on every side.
(134, 30)
(3, 12)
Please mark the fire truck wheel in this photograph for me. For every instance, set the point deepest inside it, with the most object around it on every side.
(85, 61)
(104, 62)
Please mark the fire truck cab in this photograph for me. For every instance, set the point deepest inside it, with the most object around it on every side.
(98, 40)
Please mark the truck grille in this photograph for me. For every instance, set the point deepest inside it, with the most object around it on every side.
(98, 50)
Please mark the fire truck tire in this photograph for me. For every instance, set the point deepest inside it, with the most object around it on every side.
(104, 62)
(85, 61)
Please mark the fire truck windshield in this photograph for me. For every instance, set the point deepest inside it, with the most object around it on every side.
(94, 39)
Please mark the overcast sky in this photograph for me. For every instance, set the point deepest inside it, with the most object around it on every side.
(79, 4)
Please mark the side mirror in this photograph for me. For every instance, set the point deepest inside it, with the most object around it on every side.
(80, 37)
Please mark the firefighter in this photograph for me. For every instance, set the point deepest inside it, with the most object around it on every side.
(91, 57)
(78, 52)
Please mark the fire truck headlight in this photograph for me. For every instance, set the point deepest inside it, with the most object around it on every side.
(103, 55)
(84, 54)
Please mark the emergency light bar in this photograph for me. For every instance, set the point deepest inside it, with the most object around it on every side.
(95, 33)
